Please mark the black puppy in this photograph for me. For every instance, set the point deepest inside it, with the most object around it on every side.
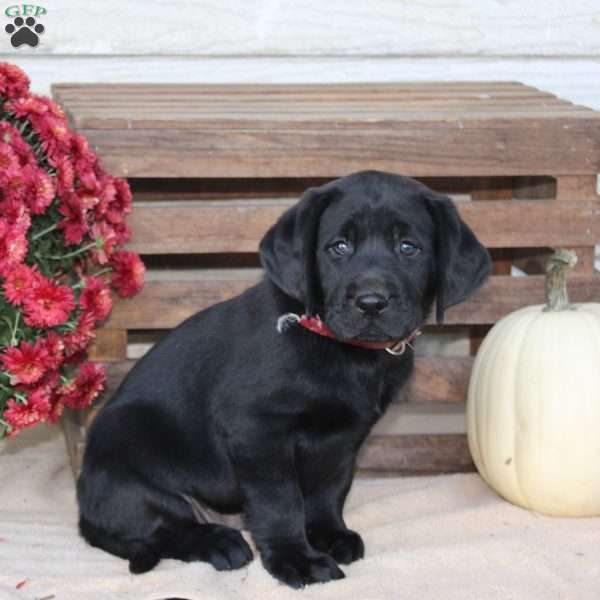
(232, 414)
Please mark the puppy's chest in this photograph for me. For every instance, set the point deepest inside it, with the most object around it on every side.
(348, 403)
(346, 413)
(330, 435)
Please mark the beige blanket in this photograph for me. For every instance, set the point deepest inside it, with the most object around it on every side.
(440, 538)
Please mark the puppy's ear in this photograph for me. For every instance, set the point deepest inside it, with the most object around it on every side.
(288, 250)
(462, 264)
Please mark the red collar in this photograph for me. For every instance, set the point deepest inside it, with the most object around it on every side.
(315, 325)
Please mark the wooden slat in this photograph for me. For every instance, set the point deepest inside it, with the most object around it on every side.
(262, 118)
(579, 188)
(229, 226)
(68, 92)
(437, 89)
(533, 260)
(439, 379)
(109, 345)
(503, 295)
(164, 304)
(196, 227)
(501, 261)
(586, 258)
(153, 116)
(98, 108)
(276, 88)
(576, 187)
(419, 147)
(416, 454)
(429, 418)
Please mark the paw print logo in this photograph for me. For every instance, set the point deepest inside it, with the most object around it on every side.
(24, 32)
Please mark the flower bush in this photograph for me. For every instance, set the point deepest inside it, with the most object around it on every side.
(62, 224)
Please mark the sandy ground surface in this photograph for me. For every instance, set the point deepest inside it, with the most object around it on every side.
(444, 538)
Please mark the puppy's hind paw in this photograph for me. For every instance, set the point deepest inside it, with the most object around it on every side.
(226, 549)
(141, 559)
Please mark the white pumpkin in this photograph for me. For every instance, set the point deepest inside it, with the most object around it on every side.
(533, 405)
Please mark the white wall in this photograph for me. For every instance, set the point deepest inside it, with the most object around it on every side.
(551, 44)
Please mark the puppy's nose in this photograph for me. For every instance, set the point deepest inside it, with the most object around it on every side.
(371, 304)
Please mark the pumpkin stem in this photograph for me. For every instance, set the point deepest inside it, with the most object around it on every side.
(557, 267)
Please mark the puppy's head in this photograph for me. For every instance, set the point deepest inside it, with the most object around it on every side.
(370, 252)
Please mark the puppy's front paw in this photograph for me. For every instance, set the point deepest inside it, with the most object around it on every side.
(297, 568)
(344, 546)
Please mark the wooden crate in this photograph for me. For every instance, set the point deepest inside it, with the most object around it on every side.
(213, 166)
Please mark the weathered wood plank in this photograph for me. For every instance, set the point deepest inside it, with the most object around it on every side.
(172, 97)
(576, 187)
(501, 264)
(220, 88)
(197, 227)
(439, 379)
(416, 454)
(502, 295)
(430, 418)
(533, 260)
(356, 120)
(164, 304)
(109, 110)
(201, 107)
(113, 106)
(586, 258)
(417, 148)
(109, 345)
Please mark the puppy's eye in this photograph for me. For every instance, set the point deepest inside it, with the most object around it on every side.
(408, 248)
(341, 247)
